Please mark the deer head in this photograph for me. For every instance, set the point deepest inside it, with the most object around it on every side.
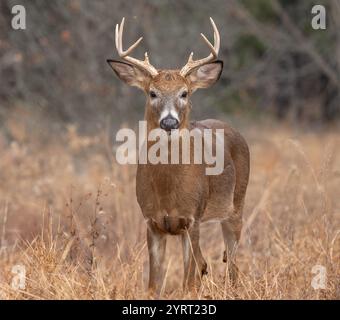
(167, 91)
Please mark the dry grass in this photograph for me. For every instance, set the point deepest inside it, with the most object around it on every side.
(68, 214)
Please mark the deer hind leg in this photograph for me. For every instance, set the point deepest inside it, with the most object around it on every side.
(156, 246)
(231, 230)
(192, 257)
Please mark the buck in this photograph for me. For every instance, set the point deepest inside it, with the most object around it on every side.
(176, 199)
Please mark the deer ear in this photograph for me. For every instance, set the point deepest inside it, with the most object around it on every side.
(206, 75)
(130, 74)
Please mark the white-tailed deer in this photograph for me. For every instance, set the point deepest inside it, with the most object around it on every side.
(176, 198)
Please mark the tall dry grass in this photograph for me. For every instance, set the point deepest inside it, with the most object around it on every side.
(68, 214)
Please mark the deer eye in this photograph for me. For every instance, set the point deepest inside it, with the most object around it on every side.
(153, 94)
(184, 94)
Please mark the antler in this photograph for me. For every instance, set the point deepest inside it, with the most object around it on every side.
(191, 64)
(125, 54)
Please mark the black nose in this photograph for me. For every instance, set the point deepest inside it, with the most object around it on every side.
(169, 123)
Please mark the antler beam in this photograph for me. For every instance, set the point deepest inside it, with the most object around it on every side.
(125, 55)
(192, 64)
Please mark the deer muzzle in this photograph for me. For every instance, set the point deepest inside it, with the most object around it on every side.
(169, 123)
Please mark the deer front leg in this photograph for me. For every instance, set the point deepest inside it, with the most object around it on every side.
(192, 257)
(156, 246)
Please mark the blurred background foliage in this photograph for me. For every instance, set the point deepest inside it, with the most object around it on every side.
(275, 64)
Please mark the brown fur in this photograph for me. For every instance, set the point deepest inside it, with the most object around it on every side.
(176, 198)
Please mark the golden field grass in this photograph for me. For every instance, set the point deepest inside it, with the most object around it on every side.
(68, 214)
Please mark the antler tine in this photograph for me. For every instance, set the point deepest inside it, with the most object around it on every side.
(132, 47)
(121, 28)
(217, 39)
(125, 54)
(146, 57)
(214, 49)
(117, 38)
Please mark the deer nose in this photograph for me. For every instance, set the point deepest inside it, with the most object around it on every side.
(169, 123)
